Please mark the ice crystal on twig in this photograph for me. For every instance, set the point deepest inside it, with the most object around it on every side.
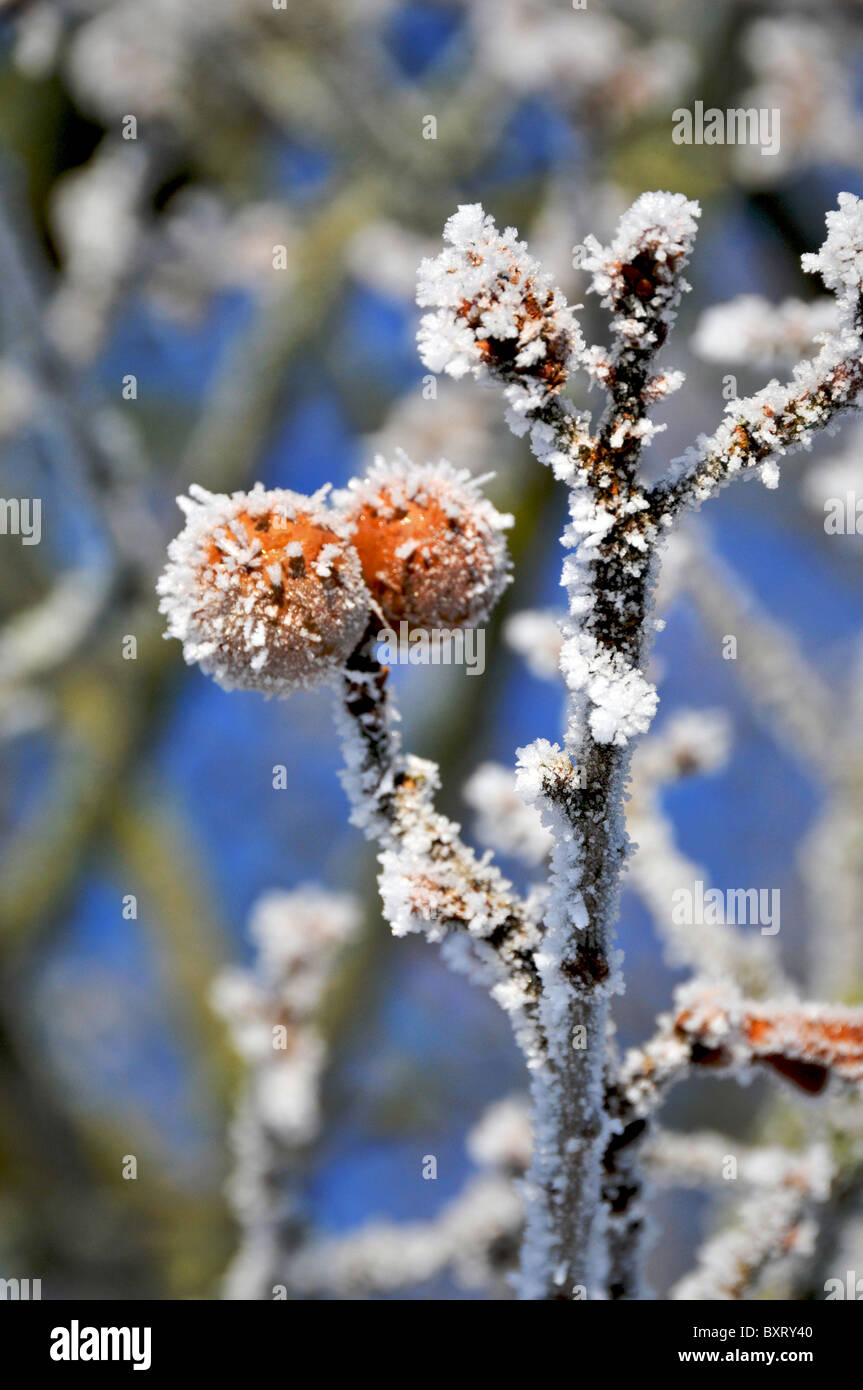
(638, 276)
(758, 430)
(421, 544)
(495, 313)
(772, 1226)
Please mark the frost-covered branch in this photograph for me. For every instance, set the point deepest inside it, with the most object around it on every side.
(271, 1012)
(433, 553)
(775, 1224)
(703, 1159)
(430, 880)
(270, 591)
(751, 329)
(495, 314)
(781, 418)
(715, 1029)
(475, 1236)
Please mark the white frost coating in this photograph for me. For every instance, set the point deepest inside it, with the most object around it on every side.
(469, 1236)
(840, 259)
(771, 1227)
(760, 429)
(503, 821)
(450, 573)
(496, 314)
(539, 766)
(431, 882)
(263, 589)
(622, 702)
(751, 329)
(660, 227)
(610, 697)
(545, 775)
(548, 444)
(501, 1139)
(536, 635)
(297, 935)
(270, 1010)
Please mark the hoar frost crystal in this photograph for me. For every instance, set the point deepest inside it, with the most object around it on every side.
(270, 591)
(263, 589)
(430, 545)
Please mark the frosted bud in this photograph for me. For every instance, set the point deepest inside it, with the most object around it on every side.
(840, 259)
(263, 589)
(638, 275)
(430, 545)
(495, 312)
